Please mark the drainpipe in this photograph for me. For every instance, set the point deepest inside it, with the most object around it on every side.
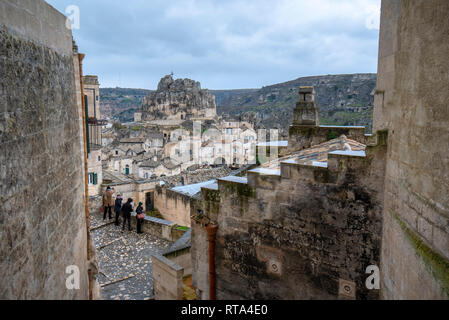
(86, 174)
(211, 232)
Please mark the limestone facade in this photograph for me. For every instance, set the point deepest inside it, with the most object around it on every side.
(42, 198)
(297, 229)
(411, 102)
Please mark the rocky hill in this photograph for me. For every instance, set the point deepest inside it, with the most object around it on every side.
(180, 99)
(342, 99)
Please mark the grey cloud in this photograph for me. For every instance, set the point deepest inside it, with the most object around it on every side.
(223, 44)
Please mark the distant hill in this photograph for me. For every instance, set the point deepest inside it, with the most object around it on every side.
(121, 103)
(343, 100)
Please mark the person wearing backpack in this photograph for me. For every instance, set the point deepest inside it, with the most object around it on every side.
(118, 208)
(126, 211)
(140, 217)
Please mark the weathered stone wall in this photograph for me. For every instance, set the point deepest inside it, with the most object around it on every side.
(199, 253)
(159, 228)
(42, 222)
(412, 103)
(183, 259)
(167, 277)
(173, 206)
(300, 235)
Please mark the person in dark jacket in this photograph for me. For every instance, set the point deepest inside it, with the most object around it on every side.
(126, 211)
(118, 208)
(140, 217)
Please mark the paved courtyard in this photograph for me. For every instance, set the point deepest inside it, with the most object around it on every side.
(124, 260)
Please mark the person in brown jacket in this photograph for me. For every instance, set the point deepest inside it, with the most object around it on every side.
(108, 202)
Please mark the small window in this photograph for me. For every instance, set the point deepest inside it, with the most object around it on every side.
(99, 158)
(96, 98)
(116, 153)
(93, 179)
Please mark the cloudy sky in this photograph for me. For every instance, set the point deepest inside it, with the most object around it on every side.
(223, 44)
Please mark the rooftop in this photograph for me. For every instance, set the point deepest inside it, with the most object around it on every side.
(316, 155)
(193, 189)
(132, 140)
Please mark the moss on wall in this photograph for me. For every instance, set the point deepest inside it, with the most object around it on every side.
(243, 190)
(436, 264)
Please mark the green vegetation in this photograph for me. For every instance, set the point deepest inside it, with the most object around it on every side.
(181, 228)
(118, 126)
(332, 135)
(155, 214)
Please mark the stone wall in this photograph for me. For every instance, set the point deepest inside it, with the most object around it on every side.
(173, 206)
(167, 277)
(412, 103)
(183, 259)
(304, 234)
(159, 228)
(199, 252)
(42, 223)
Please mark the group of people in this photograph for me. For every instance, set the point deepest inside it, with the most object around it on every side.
(125, 210)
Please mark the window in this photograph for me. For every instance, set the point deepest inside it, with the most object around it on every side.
(96, 98)
(93, 179)
(116, 153)
(99, 158)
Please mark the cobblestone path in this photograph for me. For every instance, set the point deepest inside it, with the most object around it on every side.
(126, 256)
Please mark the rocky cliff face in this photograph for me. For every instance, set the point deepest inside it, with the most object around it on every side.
(342, 100)
(181, 99)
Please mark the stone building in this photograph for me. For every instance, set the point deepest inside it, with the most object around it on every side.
(94, 128)
(308, 225)
(43, 193)
(411, 102)
(305, 226)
